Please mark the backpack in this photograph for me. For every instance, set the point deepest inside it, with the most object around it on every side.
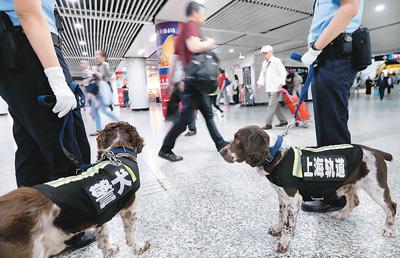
(202, 72)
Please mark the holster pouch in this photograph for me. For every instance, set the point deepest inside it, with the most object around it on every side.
(8, 42)
(361, 56)
(343, 45)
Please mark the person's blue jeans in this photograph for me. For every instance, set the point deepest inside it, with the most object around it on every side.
(96, 115)
(330, 89)
(104, 108)
(190, 102)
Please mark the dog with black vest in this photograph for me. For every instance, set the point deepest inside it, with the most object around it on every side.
(299, 174)
(36, 221)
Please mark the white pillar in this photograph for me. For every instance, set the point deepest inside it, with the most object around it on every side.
(137, 83)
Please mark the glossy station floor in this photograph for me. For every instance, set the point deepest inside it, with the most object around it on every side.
(204, 207)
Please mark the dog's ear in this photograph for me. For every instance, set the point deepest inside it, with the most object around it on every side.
(135, 139)
(257, 147)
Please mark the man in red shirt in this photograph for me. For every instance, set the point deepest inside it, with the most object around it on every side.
(192, 99)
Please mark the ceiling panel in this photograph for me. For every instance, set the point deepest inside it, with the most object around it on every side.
(221, 37)
(255, 16)
(255, 41)
(374, 19)
(109, 25)
(385, 40)
(224, 53)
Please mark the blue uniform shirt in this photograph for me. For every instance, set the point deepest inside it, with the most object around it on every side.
(47, 6)
(324, 12)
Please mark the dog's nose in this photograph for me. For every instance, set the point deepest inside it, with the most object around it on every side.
(227, 155)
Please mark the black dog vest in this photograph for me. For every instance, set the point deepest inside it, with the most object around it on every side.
(317, 172)
(94, 196)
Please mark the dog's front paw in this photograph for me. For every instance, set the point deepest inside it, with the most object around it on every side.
(275, 231)
(280, 247)
(388, 232)
(112, 251)
(143, 247)
(338, 215)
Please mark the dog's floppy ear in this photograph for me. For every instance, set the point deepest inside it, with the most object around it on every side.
(135, 138)
(257, 147)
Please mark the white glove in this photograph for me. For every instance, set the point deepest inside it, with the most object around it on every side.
(310, 57)
(65, 98)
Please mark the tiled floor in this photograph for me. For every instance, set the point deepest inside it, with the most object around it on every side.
(204, 207)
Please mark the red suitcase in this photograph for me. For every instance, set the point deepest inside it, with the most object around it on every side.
(291, 103)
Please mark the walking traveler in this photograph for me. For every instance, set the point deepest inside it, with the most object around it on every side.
(223, 84)
(297, 81)
(331, 47)
(103, 70)
(235, 89)
(176, 86)
(272, 77)
(192, 99)
(32, 64)
(368, 85)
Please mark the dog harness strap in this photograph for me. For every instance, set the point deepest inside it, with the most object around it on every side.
(273, 151)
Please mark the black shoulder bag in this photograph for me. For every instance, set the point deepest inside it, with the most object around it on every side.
(361, 49)
(202, 72)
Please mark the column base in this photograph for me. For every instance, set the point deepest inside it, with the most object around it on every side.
(140, 109)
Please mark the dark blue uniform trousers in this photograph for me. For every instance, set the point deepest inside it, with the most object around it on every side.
(39, 157)
(190, 102)
(330, 90)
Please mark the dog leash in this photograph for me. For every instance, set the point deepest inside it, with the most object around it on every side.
(67, 131)
(307, 84)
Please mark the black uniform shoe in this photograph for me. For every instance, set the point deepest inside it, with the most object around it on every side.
(170, 156)
(281, 124)
(190, 133)
(79, 241)
(222, 145)
(324, 206)
(267, 127)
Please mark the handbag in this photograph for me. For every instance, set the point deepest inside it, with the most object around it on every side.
(202, 72)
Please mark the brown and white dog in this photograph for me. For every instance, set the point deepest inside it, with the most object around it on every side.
(252, 145)
(28, 218)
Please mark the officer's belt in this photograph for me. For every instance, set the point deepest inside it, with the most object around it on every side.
(54, 37)
(334, 49)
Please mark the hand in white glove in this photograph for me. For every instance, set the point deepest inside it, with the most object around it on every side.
(310, 57)
(65, 98)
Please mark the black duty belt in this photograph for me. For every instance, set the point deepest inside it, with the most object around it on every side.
(339, 48)
(55, 38)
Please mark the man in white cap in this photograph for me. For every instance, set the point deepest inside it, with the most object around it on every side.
(273, 77)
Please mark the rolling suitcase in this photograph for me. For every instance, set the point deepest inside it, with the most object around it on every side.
(291, 103)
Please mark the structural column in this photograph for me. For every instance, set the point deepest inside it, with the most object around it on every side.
(137, 83)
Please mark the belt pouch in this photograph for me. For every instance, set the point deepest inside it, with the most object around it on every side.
(361, 56)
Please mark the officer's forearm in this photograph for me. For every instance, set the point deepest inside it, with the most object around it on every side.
(348, 9)
(37, 31)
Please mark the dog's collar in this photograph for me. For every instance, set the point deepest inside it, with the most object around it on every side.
(124, 150)
(273, 151)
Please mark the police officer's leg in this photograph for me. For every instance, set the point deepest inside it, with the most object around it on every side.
(28, 158)
(20, 88)
(330, 94)
(205, 109)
